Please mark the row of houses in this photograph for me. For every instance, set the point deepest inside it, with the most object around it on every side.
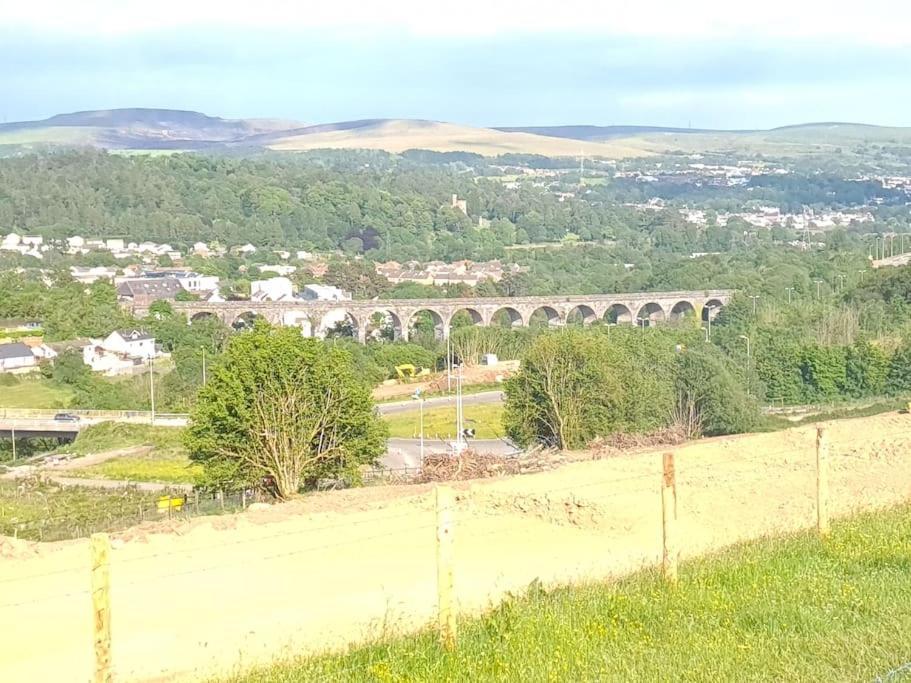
(121, 352)
(440, 274)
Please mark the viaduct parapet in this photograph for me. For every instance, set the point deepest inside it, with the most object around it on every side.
(316, 317)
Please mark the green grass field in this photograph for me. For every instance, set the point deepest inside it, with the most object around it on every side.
(34, 393)
(167, 462)
(792, 609)
(485, 419)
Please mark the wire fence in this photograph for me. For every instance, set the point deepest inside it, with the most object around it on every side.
(419, 570)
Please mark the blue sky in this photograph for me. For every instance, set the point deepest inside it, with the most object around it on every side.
(518, 63)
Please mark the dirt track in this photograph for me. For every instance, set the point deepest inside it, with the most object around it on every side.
(216, 594)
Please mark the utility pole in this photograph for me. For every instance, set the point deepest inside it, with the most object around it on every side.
(818, 282)
(448, 365)
(460, 426)
(152, 389)
(204, 366)
(789, 290)
(749, 363)
(13, 434)
(417, 396)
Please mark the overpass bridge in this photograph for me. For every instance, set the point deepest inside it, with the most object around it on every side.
(316, 317)
(27, 423)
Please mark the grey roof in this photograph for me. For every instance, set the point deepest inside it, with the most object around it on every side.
(159, 286)
(15, 350)
(134, 335)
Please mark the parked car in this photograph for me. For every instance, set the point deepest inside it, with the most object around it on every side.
(66, 417)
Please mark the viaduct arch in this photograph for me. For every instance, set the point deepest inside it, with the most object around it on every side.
(396, 318)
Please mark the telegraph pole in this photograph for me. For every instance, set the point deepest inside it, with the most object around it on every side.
(152, 389)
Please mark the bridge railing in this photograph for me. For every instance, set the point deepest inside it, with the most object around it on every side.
(100, 415)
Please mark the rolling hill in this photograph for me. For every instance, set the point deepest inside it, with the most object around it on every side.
(173, 130)
(137, 129)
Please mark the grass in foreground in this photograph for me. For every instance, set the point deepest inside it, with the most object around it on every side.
(486, 419)
(167, 462)
(156, 466)
(46, 512)
(32, 392)
(794, 609)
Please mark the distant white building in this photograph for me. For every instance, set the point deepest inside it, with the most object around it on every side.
(273, 289)
(16, 358)
(136, 343)
(278, 269)
(201, 249)
(115, 244)
(88, 275)
(120, 352)
(195, 283)
(324, 293)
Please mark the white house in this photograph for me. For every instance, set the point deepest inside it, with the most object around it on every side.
(88, 275)
(115, 244)
(10, 242)
(194, 282)
(278, 269)
(16, 358)
(324, 293)
(135, 343)
(273, 289)
(122, 351)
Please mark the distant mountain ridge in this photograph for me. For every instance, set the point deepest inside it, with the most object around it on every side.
(178, 130)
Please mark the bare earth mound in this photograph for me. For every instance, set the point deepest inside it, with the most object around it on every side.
(213, 595)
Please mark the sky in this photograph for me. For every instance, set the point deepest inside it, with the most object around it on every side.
(700, 63)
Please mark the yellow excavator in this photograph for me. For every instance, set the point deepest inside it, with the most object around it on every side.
(408, 372)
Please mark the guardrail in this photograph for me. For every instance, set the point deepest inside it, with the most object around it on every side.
(114, 415)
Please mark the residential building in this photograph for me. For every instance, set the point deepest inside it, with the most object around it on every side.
(16, 358)
(141, 293)
(273, 289)
(136, 343)
(88, 275)
(278, 269)
(122, 351)
(324, 293)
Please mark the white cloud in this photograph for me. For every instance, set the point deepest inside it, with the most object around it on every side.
(872, 22)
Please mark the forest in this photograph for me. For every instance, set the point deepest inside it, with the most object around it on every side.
(381, 205)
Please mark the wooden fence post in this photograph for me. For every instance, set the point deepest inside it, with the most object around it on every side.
(445, 504)
(101, 605)
(670, 553)
(822, 481)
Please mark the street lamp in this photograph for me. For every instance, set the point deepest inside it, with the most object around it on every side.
(749, 363)
(818, 282)
(417, 396)
(747, 340)
(755, 298)
(862, 273)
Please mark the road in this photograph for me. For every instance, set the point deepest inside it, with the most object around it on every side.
(481, 398)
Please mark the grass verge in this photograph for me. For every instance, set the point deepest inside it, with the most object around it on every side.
(793, 609)
(166, 461)
(486, 419)
(34, 392)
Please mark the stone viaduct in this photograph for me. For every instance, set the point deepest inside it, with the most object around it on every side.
(316, 317)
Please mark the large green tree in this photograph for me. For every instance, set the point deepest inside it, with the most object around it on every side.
(283, 406)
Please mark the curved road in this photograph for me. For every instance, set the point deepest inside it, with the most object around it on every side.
(481, 398)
